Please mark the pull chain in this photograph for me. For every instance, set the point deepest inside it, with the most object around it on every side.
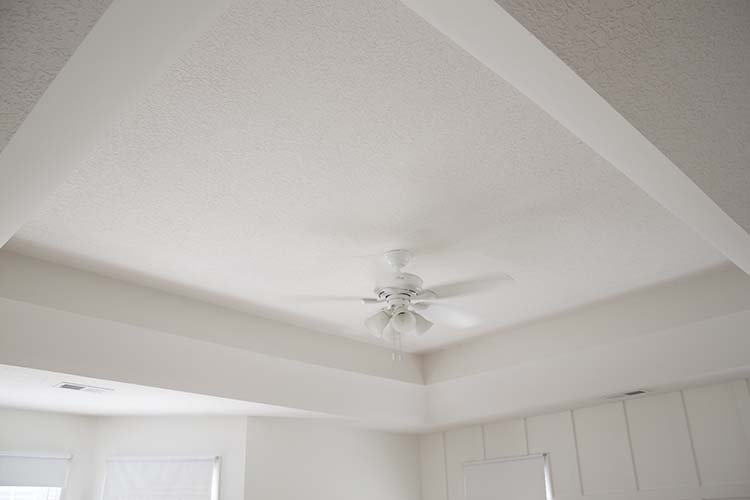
(398, 346)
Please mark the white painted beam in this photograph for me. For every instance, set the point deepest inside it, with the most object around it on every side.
(700, 352)
(712, 293)
(47, 284)
(495, 38)
(125, 52)
(43, 338)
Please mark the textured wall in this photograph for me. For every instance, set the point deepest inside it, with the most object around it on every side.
(36, 39)
(677, 70)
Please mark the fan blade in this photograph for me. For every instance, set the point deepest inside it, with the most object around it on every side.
(446, 315)
(426, 295)
(469, 286)
(335, 298)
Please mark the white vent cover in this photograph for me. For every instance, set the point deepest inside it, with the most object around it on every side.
(83, 388)
(629, 394)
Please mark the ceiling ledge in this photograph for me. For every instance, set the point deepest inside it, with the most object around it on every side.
(63, 288)
(486, 31)
(37, 337)
(62, 320)
(698, 353)
(708, 294)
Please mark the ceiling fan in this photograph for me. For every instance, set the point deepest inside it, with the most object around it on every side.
(409, 308)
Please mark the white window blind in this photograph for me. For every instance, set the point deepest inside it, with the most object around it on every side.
(27, 469)
(29, 493)
(162, 478)
(517, 478)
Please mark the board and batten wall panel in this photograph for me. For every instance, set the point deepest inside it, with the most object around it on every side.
(461, 445)
(432, 466)
(554, 434)
(692, 444)
(604, 449)
(661, 442)
(719, 428)
(505, 439)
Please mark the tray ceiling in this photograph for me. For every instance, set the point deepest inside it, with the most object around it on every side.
(294, 142)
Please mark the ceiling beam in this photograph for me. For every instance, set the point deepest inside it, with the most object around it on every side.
(709, 294)
(25, 279)
(495, 38)
(694, 354)
(125, 52)
(49, 339)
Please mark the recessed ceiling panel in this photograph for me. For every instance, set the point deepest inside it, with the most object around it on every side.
(296, 141)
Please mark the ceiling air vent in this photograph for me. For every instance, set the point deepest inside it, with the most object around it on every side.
(83, 388)
(628, 394)
(635, 393)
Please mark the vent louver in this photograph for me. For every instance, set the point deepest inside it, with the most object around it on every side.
(83, 388)
(71, 387)
(629, 394)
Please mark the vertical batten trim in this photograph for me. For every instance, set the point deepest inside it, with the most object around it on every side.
(630, 446)
(690, 437)
(445, 466)
(484, 443)
(578, 454)
(526, 435)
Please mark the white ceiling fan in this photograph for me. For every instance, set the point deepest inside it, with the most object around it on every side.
(409, 308)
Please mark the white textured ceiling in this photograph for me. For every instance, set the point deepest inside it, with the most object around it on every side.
(36, 39)
(678, 70)
(37, 390)
(296, 139)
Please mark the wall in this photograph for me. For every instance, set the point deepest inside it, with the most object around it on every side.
(691, 444)
(261, 457)
(293, 459)
(172, 436)
(40, 432)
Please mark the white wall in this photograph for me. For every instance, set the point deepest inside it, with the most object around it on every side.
(40, 432)
(294, 459)
(171, 436)
(270, 458)
(691, 444)
(92, 439)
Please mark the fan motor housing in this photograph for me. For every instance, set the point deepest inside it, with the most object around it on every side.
(398, 289)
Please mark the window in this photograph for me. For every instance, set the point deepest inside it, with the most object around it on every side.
(162, 478)
(29, 493)
(514, 478)
(32, 476)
